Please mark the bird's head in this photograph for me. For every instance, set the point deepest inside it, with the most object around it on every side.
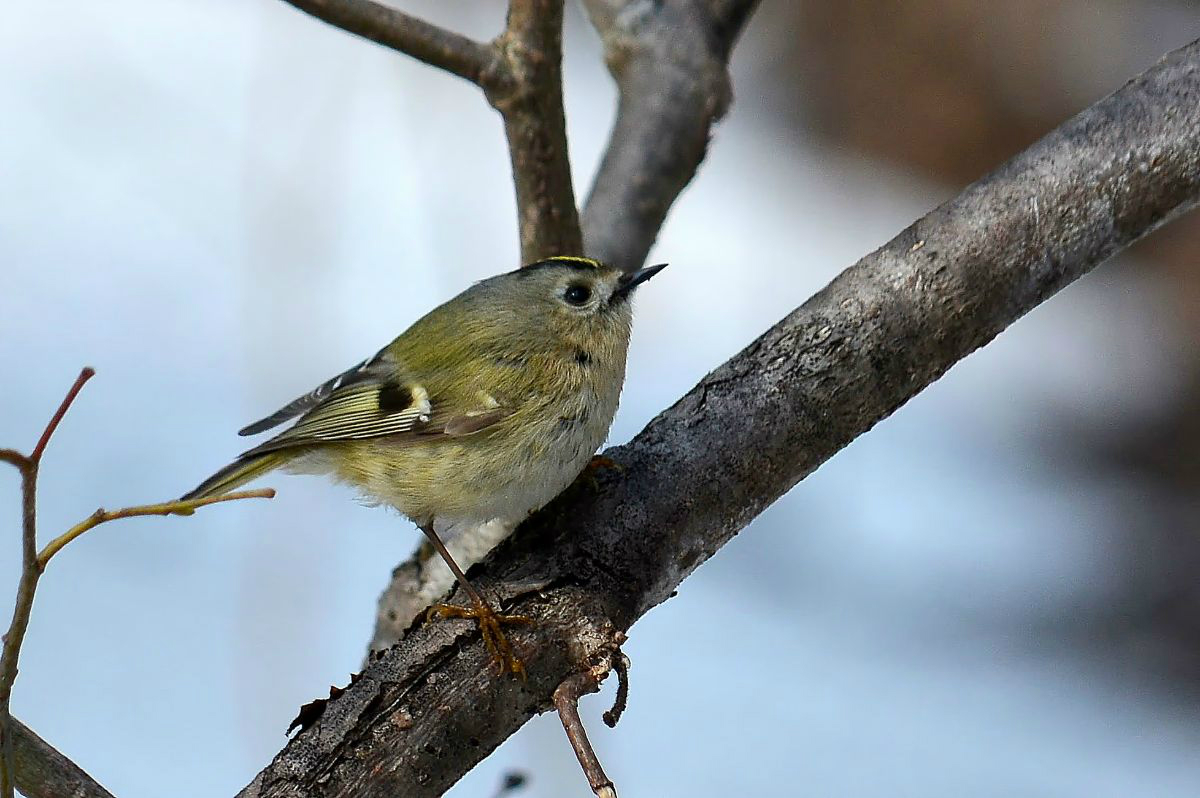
(576, 301)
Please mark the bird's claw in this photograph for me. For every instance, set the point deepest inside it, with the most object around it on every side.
(489, 622)
(599, 463)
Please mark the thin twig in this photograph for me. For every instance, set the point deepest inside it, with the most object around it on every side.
(620, 664)
(103, 516)
(34, 564)
(14, 458)
(15, 636)
(566, 701)
(475, 61)
(86, 374)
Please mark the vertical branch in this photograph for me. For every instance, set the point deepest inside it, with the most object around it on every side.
(20, 620)
(670, 63)
(30, 573)
(535, 125)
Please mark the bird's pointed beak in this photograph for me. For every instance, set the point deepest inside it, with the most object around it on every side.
(631, 280)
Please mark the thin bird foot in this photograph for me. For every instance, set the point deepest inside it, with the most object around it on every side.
(591, 471)
(489, 622)
(600, 463)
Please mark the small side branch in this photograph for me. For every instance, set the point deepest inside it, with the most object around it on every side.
(103, 516)
(566, 701)
(457, 54)
(613, 716)
(84, 375)
(25, 759)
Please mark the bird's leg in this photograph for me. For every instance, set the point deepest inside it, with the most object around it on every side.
(488, 619)
(598, 463)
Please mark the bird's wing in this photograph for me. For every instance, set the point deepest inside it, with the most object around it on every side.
(372, 400)
(369, 369)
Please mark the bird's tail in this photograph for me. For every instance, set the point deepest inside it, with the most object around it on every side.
(236, 474)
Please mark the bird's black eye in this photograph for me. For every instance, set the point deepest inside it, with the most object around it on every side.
(577, 294)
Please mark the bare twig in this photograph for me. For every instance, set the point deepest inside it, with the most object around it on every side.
(876, 336)
(32, 567)
(103, 516)
(566, 701)
(475, 61)
(670, 63)
(43, 772)
(613, 716)
(86, 374)
(30, 573)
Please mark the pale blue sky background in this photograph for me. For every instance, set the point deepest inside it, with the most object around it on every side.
(219, 203)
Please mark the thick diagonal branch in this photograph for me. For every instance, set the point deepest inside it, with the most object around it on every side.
(426, 711)
(42, 772)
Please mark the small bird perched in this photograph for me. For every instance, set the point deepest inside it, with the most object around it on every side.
(482, 411)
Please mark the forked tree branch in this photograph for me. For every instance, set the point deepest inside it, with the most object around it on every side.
(27, 762)
(429, 709)
(520, 72)
(31, 571)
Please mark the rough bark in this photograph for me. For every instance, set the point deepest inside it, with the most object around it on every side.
(43, 772)
(429, 709)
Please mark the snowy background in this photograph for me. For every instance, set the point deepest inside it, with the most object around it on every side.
(220, 203)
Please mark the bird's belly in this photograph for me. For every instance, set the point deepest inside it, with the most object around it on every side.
(504, 475)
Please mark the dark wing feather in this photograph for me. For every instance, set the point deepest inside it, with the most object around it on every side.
(351, 413)
(371, 400)
(357, 373)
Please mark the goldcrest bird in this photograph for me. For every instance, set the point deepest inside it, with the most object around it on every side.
(482, 411)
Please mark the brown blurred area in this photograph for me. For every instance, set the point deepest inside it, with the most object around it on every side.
(949, 89)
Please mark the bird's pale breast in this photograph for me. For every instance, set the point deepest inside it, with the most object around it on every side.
(504, 472)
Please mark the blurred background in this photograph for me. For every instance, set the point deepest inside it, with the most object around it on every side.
(220, 203)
